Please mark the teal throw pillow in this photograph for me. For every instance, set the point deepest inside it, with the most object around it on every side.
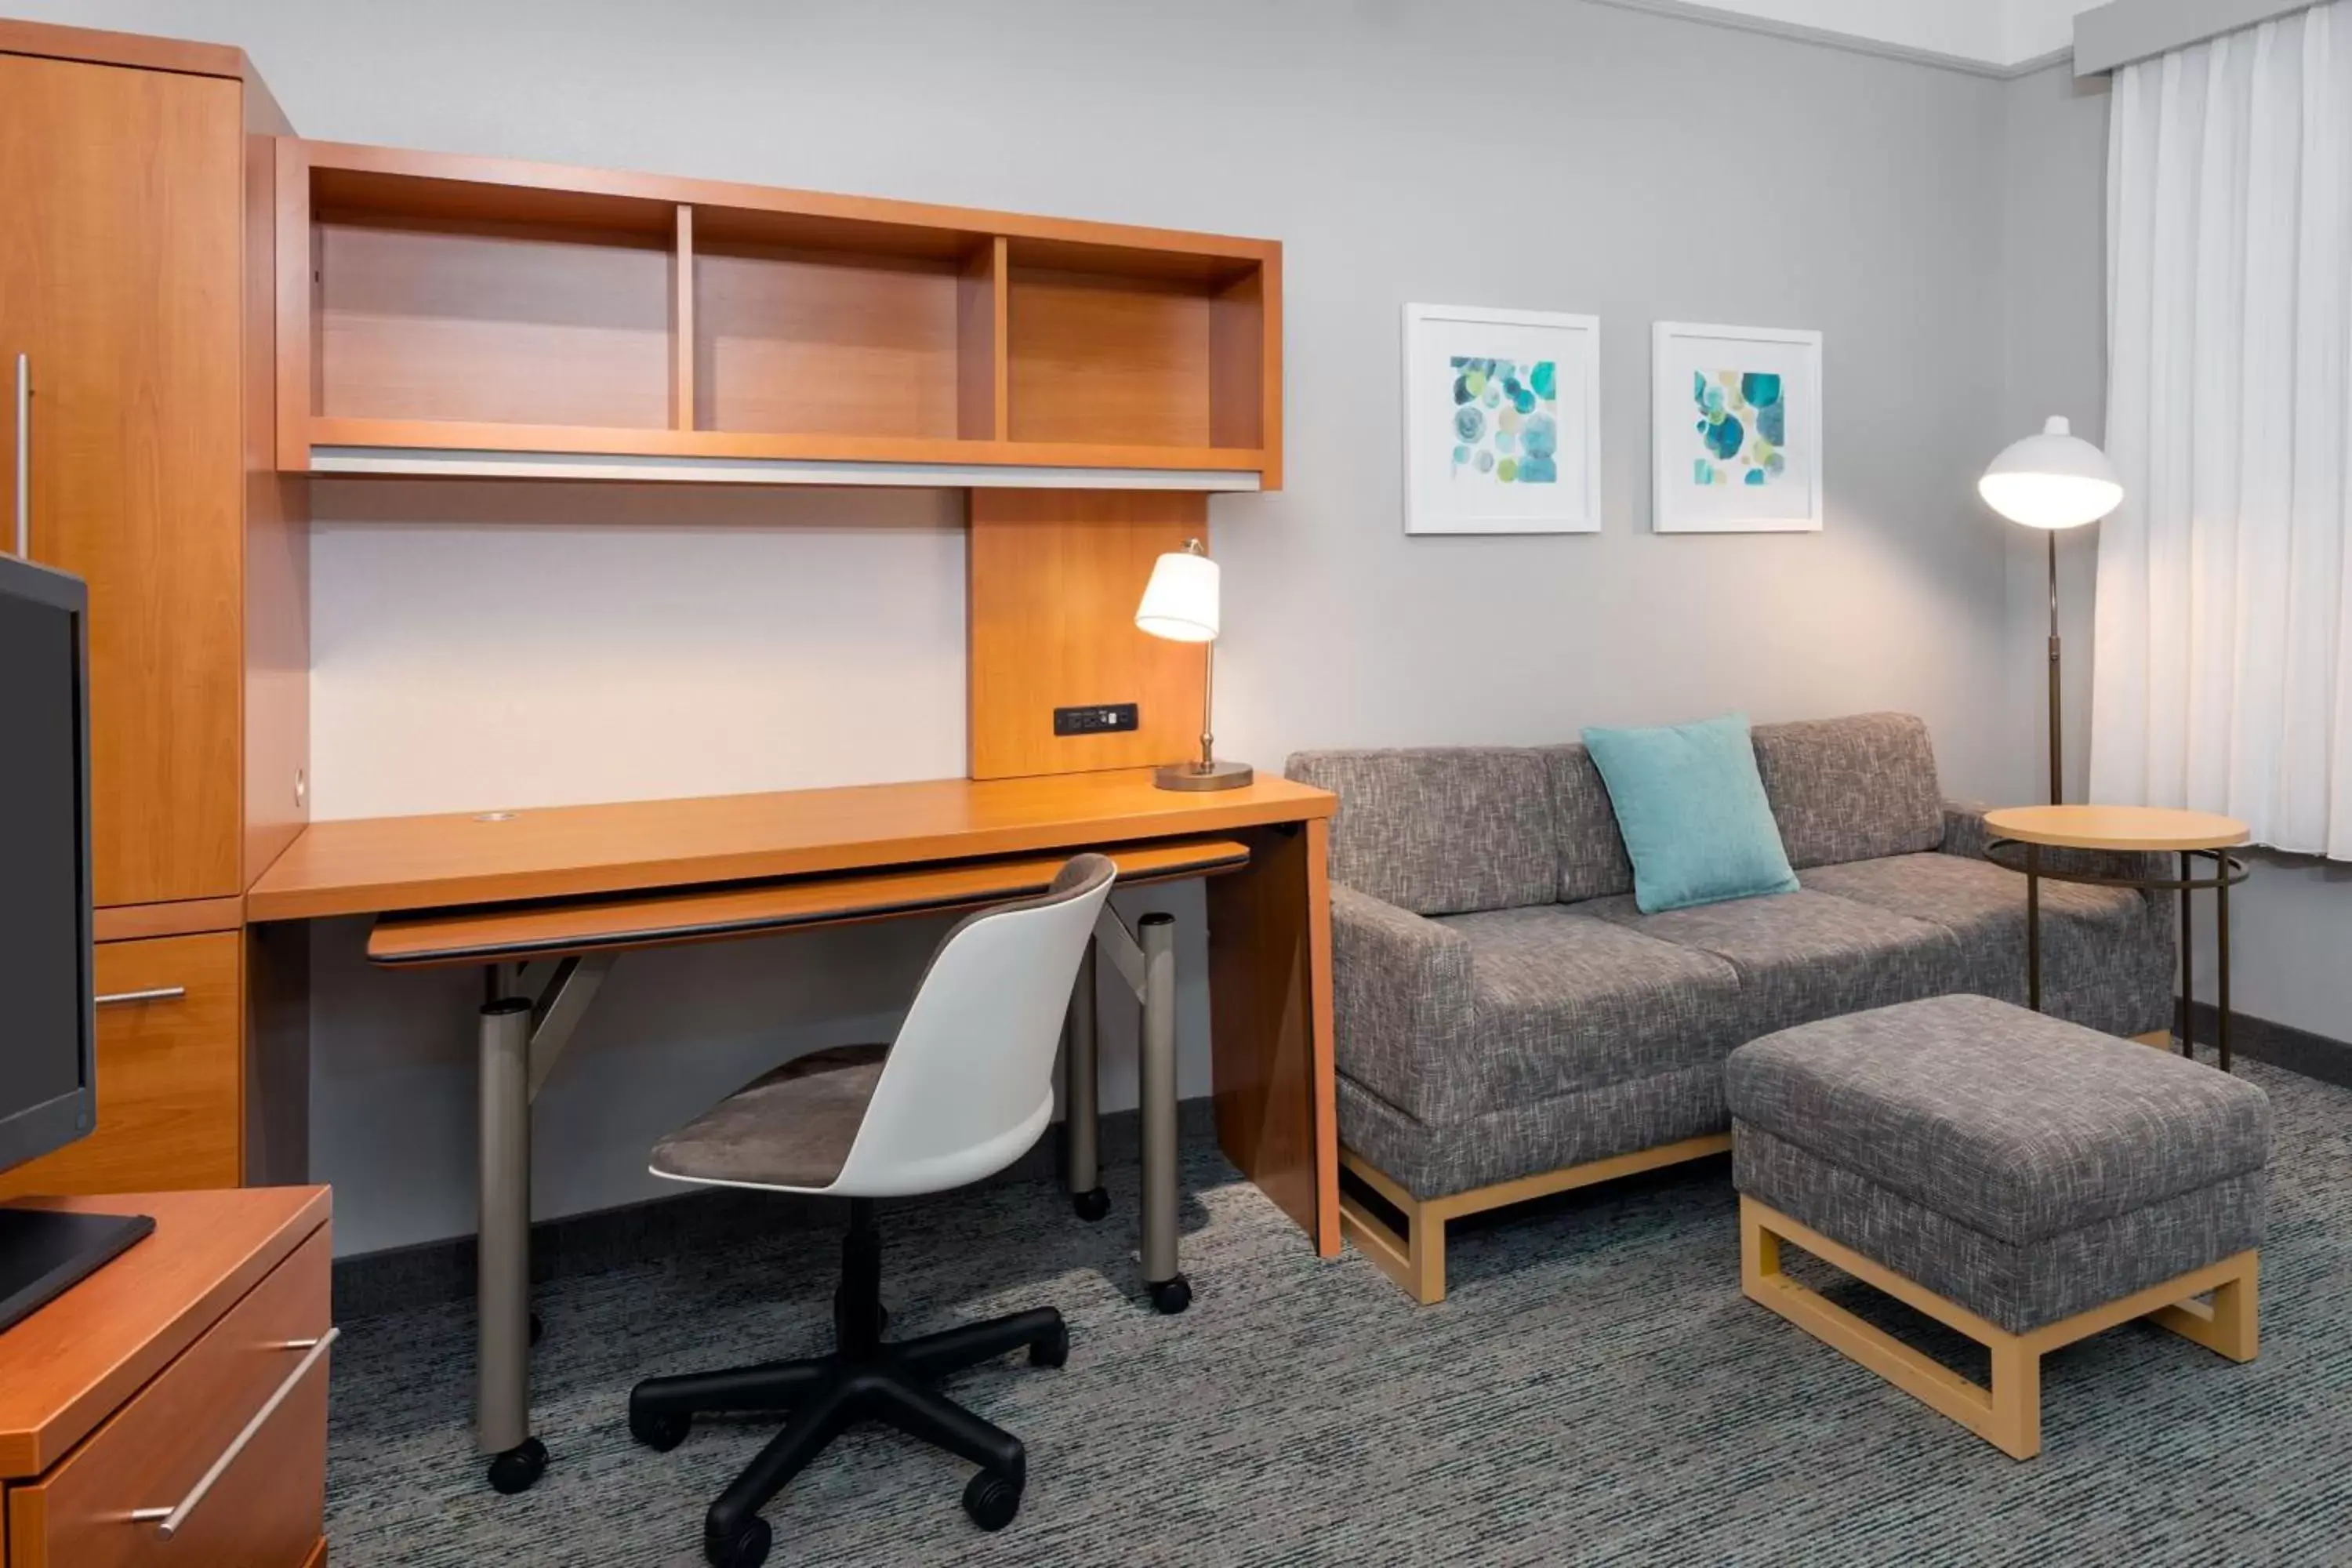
(1691, 807)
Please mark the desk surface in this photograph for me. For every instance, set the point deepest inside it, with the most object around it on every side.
(372, 866)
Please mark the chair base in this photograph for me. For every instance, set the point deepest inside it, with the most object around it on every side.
(863, 1379)
(2007, 1414)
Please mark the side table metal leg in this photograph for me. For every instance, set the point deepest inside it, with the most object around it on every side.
(2188, 970)
(2033, 926)
(2221, 944)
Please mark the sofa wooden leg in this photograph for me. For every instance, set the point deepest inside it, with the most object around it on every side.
(2228, 1326)
(1414, 1259)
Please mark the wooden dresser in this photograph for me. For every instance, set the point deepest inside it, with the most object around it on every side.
(137, 361)
(191, 1367)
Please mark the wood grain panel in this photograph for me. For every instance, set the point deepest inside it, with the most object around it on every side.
(823, 342)
(277, 610)
(719, 914)
(264, 1509)
(130, 922)
(383, 864)
(169, 1100)
(1055, 577)
(1270, 1026)
(73, 1363)
(681, 323)
(981, 346)
(118, 275)
(134, 49)
(1095, 357)
(505, 323)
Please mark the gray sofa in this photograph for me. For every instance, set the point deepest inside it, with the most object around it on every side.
(1506, 1023)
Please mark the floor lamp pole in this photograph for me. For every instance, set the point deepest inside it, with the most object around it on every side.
(2057, 752)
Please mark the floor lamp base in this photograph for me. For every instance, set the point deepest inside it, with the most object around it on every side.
(1198, 776)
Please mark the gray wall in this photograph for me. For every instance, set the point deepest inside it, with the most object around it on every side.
(1535, 153)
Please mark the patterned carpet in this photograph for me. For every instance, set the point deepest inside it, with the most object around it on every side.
(1596, 1390)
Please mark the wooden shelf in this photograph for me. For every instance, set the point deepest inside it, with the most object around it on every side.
(456, 315)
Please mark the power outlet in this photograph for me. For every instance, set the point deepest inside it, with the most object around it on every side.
(1102, 718)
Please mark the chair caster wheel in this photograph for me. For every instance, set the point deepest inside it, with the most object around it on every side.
(743, 1548)
(1054, 1350)
(1090, 1206)
(519, 1468)
(661, 1433)
(1171, 1296)
(992, 1500)
(537, 1327)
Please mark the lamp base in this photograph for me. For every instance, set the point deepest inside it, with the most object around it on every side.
(1193, 777)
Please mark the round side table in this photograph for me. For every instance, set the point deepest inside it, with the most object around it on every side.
(2025, 831)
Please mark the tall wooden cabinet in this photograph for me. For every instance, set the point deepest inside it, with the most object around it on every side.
(137, 314)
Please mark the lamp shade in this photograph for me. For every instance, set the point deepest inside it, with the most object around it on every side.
(2055, 480)
(1179, 602)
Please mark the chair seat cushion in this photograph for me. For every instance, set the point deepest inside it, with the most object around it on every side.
(2104, 961)
(2017, 1125)
(792, 1128)
(1806, 955)
(1563, 1003)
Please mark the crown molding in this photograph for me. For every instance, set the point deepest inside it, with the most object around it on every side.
(1823, 38)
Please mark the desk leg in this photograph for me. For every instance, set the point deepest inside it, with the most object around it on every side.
(502, 1293)
(1082, 1098)
(1270, 1015)
(1169, 1292)
(2221, 950)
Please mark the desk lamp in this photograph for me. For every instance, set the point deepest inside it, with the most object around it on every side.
(2052, 481)
(1180, 604)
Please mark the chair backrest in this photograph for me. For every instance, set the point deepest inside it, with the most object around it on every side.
(968, 1083)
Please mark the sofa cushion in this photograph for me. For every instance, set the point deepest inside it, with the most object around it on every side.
(1440, 830)
(1561, 1002)
(1806, 955)
(1593, 860)
(1850, 789)
(2106, 960)
(2017, 1125)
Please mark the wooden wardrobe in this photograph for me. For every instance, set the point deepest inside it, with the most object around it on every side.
(137, 350)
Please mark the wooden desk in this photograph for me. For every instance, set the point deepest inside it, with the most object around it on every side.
(200, 1341)
(578, 883)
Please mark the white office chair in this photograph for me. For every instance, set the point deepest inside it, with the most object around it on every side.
(962, 1092)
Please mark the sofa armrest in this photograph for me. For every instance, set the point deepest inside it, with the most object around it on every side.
(1399, 998)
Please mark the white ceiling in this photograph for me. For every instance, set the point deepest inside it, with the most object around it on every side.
(1996, 32)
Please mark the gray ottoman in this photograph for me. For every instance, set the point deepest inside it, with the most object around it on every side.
(2028, 1181)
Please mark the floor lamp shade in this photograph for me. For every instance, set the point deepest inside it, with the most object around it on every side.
(1179, 602)
(2052, 481)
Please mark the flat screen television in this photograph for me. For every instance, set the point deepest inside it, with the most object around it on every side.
(48, 1064)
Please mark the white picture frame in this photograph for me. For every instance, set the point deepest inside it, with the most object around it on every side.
(1459, 482)
(1734, 468)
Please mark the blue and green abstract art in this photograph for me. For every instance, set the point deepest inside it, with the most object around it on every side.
(1506, 420)
(1743, 429)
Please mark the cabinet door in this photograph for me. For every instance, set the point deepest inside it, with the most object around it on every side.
(121, 195)
(169, 1045)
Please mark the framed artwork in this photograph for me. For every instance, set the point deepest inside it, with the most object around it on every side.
(1502, 421)
(1736, 429)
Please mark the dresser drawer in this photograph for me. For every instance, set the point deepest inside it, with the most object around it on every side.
(264, 1508)
(171, 1042)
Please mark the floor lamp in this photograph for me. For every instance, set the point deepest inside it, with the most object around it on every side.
(2052, 481)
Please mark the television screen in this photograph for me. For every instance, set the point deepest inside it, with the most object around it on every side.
(44, 993)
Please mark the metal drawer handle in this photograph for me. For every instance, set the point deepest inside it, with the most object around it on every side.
(168, 1520)
(125, 998)
(24, 457)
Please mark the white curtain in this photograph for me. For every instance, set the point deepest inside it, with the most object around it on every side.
(2223, 673)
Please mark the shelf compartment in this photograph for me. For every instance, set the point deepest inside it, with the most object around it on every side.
(1140, 348)
(441, 300)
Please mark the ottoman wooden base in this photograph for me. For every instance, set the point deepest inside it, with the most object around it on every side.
(2009, 1414)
